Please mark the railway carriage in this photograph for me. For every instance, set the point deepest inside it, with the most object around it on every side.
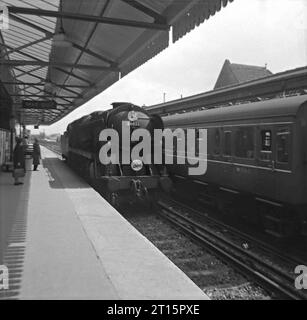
(257, 162)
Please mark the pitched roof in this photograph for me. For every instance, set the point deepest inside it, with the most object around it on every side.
(233, 73)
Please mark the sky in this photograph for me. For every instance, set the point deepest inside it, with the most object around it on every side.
(255, 32)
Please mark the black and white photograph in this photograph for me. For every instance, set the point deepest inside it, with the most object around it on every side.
(153, 153)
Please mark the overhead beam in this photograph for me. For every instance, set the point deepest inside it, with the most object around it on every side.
(40, 78)
(75, 45)
(43, 84)
(89, 38)
(78, 95)
(40, 96)
(56, 64)
(64, 98)
(29, 24)
(69, 73)
(29, 71)
(89, 18)
(94, 54)
(29, 74)
(149, 12)
(30, 44)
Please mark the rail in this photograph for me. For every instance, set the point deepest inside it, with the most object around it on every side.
(251, 264)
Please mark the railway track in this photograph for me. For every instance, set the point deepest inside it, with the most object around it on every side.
(290, 259)
(251, 264)
(54, 147)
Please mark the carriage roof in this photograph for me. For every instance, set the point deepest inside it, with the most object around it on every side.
(263, 109)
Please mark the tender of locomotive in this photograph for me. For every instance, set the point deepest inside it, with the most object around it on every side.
(256, 162)
(118, 182)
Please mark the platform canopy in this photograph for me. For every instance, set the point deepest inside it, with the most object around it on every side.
(56, 55)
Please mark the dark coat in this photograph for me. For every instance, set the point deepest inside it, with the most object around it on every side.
(36, 154)
(19, 156)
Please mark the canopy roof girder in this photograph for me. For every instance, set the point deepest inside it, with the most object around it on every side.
(107, 40)
(88, 18)
(56, 64)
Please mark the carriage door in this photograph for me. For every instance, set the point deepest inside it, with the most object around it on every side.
(283, 147)
(266, 184)
(265, 147)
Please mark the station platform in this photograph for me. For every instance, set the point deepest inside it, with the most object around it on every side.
(61, 240)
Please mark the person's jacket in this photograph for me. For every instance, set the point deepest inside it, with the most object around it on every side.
(36, 153)
(19, 156)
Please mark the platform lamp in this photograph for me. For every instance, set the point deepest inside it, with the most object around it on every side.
(60, 39)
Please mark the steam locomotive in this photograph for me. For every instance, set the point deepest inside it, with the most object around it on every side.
(256, 162)
(118, 181)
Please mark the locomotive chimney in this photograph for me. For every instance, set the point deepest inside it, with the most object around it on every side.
(118, 104)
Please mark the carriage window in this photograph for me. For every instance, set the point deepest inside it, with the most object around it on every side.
(282, 145)
(266, 145)
(227, 143)
(244, 147)
(216, 142)
(266, 140)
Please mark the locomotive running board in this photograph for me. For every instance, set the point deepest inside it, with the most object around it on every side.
(276, 204)
(229, 190)
(200, 182)
(180, 177)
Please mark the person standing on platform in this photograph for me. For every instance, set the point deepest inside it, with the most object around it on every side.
(19, 161)
(36, 154)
